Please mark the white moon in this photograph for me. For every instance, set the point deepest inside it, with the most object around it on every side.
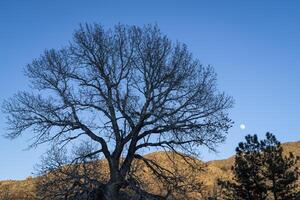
(242, 126)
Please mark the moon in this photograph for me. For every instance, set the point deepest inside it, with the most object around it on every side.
(242, 126)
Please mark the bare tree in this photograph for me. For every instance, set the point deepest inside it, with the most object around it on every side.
(77, 175)
(127, 89)
(70, 177)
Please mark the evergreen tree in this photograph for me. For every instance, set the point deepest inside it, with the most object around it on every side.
(280, 171)
(262, 171)
(248, 170)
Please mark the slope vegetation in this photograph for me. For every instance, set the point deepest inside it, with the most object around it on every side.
(212, 170)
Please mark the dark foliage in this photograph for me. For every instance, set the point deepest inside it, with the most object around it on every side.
(281, 173)
(262, 172)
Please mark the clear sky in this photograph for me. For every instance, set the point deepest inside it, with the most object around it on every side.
(253, 45)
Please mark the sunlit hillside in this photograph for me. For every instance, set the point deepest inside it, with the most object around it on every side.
(212, 170)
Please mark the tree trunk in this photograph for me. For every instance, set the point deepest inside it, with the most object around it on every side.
(108, 192)
(111, 192)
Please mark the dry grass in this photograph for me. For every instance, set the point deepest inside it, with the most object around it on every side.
(212, 170)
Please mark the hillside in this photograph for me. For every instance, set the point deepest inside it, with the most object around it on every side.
(226, 164)
(213, 170)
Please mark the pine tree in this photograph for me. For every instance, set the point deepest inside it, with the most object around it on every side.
(262, 171)
(280, 171)
(248, 170)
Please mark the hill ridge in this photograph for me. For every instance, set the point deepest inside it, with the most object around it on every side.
(214, 169)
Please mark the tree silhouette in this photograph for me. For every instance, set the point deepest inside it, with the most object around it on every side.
(281, 171)
(127, 89)
(261, 171)
(70, 177)
(248, 172)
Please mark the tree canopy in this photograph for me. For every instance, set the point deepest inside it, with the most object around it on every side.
(262, 171)
(128, 89)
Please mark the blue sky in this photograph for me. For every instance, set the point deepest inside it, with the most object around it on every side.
(253, 45)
